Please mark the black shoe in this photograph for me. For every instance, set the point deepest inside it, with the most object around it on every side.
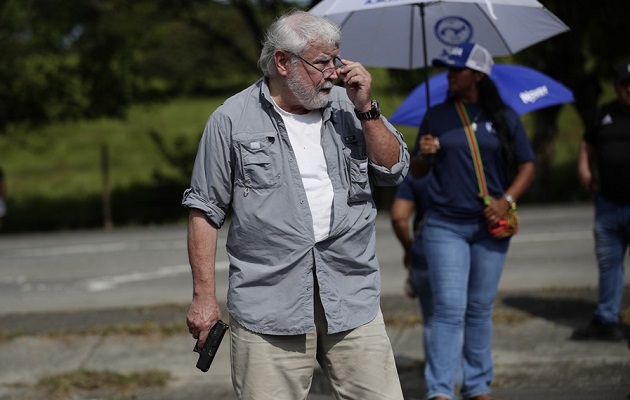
(598, 330)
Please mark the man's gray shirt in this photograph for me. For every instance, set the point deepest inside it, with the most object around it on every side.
(246, 167)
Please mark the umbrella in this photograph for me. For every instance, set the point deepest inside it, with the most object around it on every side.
(522, 88)
(393, 33)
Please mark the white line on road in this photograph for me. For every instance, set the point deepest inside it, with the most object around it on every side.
(181, 244)
(111, 282)
(552, 237)
(95, 248)
(104, 283)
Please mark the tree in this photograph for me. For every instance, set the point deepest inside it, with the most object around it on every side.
(38, 80)
(89, 59)
(581, 59)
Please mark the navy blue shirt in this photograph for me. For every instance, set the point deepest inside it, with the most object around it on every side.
(453, 188)
(414, 189)
(610, 137)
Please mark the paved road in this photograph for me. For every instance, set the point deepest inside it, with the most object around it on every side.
(138, 267)
(75, 280)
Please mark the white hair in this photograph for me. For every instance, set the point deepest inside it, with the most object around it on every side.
(294, 32)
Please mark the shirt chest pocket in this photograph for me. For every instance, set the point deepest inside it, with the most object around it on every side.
(359, 184)
(260, 161)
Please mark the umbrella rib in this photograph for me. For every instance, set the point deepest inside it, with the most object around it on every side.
(341, 25)
(491, 22)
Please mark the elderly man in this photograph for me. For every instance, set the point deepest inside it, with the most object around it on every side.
(293, 159)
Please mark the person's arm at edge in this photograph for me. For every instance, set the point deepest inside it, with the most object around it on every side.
(204, 310)
(400, 213)
(584, 166)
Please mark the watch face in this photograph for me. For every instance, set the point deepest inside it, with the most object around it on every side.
(373, 113)
(376, 109)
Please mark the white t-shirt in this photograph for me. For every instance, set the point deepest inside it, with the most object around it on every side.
(305, 135)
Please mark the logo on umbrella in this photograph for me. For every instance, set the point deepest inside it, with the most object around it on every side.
(530, 96)
(453, 30)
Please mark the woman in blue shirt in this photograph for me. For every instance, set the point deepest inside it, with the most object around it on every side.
(465, 262)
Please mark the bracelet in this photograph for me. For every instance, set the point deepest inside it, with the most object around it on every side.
(508, 197)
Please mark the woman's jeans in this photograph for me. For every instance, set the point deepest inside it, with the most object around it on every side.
(612, 237)
(465, 265)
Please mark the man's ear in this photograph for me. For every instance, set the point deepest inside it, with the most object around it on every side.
(281, 61)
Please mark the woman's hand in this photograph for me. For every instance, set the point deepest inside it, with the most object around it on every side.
(496, 209)
(429, 145)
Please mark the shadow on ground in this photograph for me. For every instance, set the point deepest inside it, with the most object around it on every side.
(573, 307)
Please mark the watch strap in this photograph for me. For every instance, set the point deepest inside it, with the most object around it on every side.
(373, 113)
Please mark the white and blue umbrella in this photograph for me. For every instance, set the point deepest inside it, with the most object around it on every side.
(408, 34)
(522, 88)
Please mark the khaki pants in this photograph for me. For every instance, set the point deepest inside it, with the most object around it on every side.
(358, 363)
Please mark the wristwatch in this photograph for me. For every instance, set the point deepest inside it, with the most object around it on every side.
(373, 113)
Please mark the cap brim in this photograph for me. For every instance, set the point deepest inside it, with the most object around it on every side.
(439, 62)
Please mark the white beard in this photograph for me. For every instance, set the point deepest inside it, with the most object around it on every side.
(309, 98)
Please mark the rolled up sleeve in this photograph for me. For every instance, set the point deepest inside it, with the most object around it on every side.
(393, 176)
(211, 183)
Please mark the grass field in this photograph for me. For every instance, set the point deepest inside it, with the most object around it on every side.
(65, 158)
(62, 161)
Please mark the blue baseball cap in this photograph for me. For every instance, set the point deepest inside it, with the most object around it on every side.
(466, 55)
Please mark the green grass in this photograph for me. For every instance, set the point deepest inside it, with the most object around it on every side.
(70, 384)
(61, 163)
(65, 158)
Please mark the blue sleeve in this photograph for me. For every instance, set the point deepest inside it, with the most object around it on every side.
(522, 146)
(405, 189)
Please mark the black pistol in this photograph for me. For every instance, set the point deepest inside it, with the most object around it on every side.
(206, 355)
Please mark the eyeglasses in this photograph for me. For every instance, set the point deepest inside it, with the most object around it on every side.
(326, 72)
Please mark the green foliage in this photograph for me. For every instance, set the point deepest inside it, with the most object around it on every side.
(70, 59)
(78, 77)
(54, 178)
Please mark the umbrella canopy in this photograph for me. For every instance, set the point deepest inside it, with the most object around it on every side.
(408, 34)
(522, 88)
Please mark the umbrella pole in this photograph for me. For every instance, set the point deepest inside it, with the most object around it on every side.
(431, 158)
(426, 66)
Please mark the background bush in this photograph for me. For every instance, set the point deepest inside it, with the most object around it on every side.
(55, 180)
